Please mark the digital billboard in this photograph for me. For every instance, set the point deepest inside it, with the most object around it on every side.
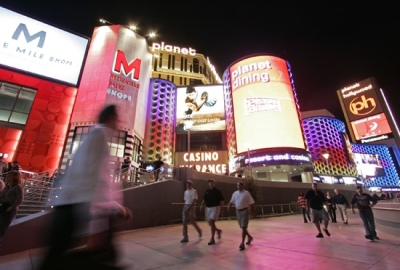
(37, 48)
(368, 165)
(371, 128)
(203, 105)
(213, 162)
(360, 100)
(264, 106)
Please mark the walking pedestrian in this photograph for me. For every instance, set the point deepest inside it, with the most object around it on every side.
(214, 206)
(364, 203)
(340, 201)
(316, 201)
(189, 211)
(242, 200)
(330, 207)
(302, 202)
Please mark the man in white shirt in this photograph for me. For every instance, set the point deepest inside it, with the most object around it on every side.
(88, 192)
(189, 211)
(242, 199)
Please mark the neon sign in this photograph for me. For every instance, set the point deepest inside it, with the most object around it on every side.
(174, 49)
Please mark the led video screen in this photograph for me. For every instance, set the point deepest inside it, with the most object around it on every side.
(203, 106)
(368, 165)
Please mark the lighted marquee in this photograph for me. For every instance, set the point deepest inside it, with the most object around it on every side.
(214, 162)
(40, 49)
(273, 157)
(204, 105)
(360, 100)
(372, 128)
(264, 104)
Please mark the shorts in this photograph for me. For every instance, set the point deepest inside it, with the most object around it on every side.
(212, 213)
(243, 217)
(318, 214)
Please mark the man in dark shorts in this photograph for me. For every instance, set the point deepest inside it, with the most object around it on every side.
(315, 201)
(214, 204)
(364, 202)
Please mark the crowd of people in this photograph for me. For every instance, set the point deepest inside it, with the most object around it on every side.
(318, 208)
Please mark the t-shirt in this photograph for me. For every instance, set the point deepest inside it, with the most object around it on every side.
(190, 195)
(363, 201)
(317, 200)
(158, 164)
(213, 197)
(339, 199)
(242, 199)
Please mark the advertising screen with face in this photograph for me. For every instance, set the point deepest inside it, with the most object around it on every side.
(371, 127)
(265, 110)
(368, 165)
(360, 100)
(203, 105)
(38, 48)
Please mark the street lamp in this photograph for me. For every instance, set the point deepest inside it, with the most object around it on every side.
(326, 156)
(248, 157)
(188, 126)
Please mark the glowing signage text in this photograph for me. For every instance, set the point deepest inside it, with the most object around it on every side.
(174, 49)
(243, 75)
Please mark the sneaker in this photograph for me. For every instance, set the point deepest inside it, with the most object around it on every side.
(377, 238)
(320, 235)
(249, 240)
(242, 247)
(184, 240)
(369, 237)
(326, 232)
(219, 234)
(212, 242)
(200, 234)
(346, 222)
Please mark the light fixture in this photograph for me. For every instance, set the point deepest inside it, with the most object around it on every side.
(325, 155)
(152, 35)
(132, 27)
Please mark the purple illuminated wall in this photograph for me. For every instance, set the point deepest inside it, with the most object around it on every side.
(325, 135)
(160, 122)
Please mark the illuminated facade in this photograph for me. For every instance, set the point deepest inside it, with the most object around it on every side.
(40, 68)
(182, 66)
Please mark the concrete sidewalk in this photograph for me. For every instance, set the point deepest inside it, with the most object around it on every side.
(279, 243)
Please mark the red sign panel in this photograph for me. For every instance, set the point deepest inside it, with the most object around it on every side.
(371, 126)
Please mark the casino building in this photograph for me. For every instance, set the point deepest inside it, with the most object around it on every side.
(173, 104)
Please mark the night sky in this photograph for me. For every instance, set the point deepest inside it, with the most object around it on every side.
(330, 44)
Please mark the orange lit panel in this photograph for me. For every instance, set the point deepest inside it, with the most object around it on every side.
(370, 127)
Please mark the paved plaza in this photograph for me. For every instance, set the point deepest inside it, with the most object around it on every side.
(279, 243)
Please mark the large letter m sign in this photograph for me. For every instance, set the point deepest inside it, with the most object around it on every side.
(132, 68)
(22, 29)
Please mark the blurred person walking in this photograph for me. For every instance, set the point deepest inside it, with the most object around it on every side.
(340, 201)
(87, 198)
(214, 205)
(11, 198)
(302, 202)
(189, 211)
(242, 200)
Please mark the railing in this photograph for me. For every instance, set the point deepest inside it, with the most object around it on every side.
(131, 177)
(37, 188)
(266, 210)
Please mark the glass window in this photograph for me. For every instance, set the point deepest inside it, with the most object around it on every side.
(117, 144)
(15, 103)
(195, 65)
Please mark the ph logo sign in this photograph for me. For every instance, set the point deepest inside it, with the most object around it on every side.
(362, 105)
